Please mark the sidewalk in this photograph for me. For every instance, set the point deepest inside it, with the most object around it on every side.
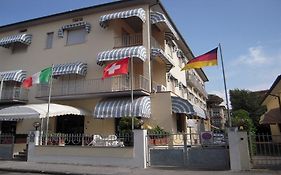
(48, 168)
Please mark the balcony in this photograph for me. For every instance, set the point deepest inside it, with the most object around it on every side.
(14, 94)
(81, 88)
(193, 82)
(128, 40)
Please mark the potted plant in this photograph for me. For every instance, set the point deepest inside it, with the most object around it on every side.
(158, 136)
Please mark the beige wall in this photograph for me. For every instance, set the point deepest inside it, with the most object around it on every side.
(161, 109)
(37, 57)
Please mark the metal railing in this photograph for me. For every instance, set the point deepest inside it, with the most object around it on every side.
(93, 86)
(192, 80)
(265, 150)
(14, 94)
(184, 139)
(93, 140)
(128, 40)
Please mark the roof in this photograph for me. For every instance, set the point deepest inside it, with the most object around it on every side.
(270, 91)
(87, 10)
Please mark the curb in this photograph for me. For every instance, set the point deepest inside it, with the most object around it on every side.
(42, 171)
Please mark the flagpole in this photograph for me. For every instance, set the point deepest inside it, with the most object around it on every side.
(132, 92)
(48, 110)
(225, 89)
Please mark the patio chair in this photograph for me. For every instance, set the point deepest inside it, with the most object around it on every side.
(97, 140)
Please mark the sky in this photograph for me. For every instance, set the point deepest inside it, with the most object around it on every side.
(249, 32)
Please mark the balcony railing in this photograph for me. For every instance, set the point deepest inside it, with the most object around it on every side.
(93, 86)
(128, 40)
(14, 94)
(192, 80)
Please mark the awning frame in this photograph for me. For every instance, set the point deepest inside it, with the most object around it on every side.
(79, 24)
(15, 75)
(21, 38)
(30, 111)
(140, 13)
(120, 107)
(77, 68)
(116, 54)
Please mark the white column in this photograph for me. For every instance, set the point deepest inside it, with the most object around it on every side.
(140, 148)
(238, 150)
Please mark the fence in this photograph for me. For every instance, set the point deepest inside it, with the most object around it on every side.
(189, 139)
(6, 146)
(265, 150)
(95, 140)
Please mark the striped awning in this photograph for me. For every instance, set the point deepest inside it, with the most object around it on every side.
(15, 75)
(19, 38)
(120, 107)
(38, 111)
(77, 68)
(75, 25)
(159, 19)
(156, 52)
(140, 13)
(199, 112)
(116, 54)
(182, 106)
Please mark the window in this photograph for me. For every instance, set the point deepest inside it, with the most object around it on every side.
(76, 36)
(49, 41)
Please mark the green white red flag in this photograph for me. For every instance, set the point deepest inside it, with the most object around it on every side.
(41, 77)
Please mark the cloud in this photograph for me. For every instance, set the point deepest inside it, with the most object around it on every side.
(255, 56)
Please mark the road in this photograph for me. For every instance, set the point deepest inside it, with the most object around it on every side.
(17, 173)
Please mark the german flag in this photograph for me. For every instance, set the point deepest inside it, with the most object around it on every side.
(207, 59)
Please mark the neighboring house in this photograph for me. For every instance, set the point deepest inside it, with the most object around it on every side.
(218, 115)
(79, 43)
(272, 101)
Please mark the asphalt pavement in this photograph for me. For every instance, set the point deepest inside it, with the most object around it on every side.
(75, 169)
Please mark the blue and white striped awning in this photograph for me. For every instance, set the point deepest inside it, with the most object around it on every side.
(15, 75)
(140, 13)
(199, 112)
(117, 54)
(77, 68)
(182, 106)
(159, 19)
(120, 107)
(165, 57)
(19, 38)
(75, 25)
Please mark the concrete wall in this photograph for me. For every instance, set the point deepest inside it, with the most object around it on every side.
(105, 156)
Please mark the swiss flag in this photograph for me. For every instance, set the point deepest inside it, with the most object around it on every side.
(116, 68)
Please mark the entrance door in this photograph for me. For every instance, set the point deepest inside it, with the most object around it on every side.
(70, 124)
(8, 127)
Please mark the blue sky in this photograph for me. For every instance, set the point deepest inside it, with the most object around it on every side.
(248, 30)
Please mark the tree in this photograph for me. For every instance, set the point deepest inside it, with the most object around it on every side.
(250, 102)
(242, 120)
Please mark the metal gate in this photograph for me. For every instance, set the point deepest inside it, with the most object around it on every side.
(6, 146)
(187, 150)
(265, 151)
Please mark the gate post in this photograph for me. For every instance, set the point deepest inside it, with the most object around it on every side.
(140, 147)
(238, 150)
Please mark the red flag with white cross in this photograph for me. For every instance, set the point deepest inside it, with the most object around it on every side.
(116, 68)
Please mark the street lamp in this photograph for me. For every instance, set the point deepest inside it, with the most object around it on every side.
(279, 101)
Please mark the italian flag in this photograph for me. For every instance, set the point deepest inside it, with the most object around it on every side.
(41, 77)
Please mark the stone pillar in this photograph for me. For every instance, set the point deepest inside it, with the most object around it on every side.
(238, 150)
(140, 148)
